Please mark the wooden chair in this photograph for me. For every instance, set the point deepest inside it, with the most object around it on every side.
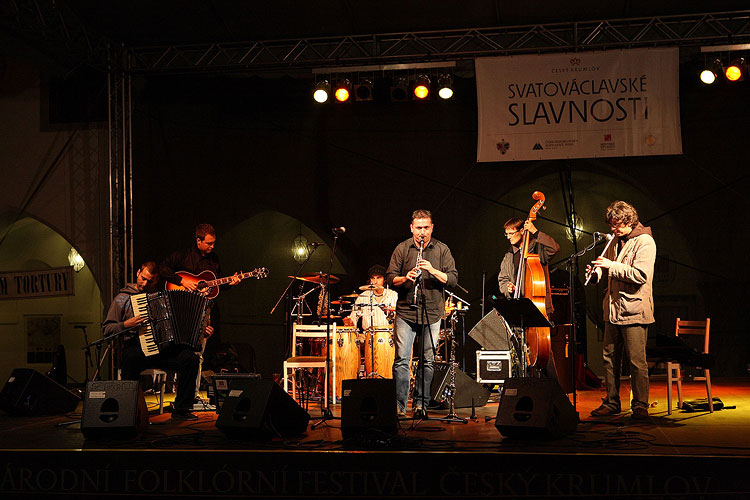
(296, 363)
(674, 374)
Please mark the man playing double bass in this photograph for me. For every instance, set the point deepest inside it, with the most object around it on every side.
(540, 243)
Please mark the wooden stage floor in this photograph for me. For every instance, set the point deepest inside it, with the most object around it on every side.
(682, 455)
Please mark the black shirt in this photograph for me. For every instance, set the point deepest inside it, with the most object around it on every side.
(190, 260)
(403, 260)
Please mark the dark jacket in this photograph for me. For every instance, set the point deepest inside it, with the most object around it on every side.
(119, 311)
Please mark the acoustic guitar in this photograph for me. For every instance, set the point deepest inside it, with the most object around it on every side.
(208, 280)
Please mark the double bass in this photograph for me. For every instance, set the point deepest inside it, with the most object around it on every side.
(533, 285)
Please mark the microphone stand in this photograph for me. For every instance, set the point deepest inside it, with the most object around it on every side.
(325, 407)
(572, 264)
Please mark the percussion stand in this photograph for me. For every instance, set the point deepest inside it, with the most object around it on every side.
(371, 340)
(452, 365)
(325, 409)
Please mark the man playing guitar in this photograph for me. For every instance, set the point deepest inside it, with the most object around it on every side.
(178, 267)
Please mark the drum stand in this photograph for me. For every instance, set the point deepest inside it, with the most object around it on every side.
(452, 365)
(371, 340)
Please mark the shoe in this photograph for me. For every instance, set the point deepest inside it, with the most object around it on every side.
(183, 415)
(639, 414)
(604, 411)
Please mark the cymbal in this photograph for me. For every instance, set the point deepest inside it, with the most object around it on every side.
(330, 317)
(350, 296)
(340, 302)
(370, 287)
(319, 277)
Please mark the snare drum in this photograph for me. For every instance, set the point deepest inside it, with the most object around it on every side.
(380, 350)
(345, 355)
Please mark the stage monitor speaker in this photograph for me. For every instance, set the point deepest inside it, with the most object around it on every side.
(28, 392)
(490, 332)
(535, 408)
(467, 389)
(260, 409)
(114, 409)
(368, 404)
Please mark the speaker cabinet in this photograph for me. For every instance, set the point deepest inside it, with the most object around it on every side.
(114, 409)
(490, 332)
(28, 392)
(260, 409)
(535, 408)
(368, 404)
(467, 389)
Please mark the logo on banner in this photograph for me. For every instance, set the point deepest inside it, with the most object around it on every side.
(575, 61)
(537, 147)
(608, 144)
(503, 146)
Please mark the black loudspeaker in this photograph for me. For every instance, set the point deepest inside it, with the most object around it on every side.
(490, 332)
(260, 409)
(535, 408)
(114, 409)
(368, 404)
(28, 392)
(467, 389)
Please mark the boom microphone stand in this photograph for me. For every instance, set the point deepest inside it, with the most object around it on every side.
(325, 407)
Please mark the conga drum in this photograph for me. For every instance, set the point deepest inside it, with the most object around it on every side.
(346, 355)
(380, 350)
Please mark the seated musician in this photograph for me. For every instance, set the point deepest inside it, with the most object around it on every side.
(384, 298)
(179, 358)
(195, 259)
(540, 243)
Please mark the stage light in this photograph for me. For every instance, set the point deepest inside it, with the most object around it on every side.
(711, 71)
(321, 91)
(422, 87)
(445, 86)
(75, 260)
(343, 90)
(363, 90)
(399, 90)
(735, 72)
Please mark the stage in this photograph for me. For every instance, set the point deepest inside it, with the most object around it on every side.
(683, 455)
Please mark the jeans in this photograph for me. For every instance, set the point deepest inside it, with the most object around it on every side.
(632, 340)
(404, 335)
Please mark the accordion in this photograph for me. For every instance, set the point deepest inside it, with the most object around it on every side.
(173, 318)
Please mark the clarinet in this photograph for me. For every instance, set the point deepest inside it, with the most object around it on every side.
(419, 271)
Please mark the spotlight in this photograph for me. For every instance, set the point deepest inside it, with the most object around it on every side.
(343, 90)
(322, 89)
(422, 87)
(735, 72)
(711, 71)
(363, 90)
(399, 92)
(445, 86)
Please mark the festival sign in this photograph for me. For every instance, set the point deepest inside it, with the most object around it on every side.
(53, 282)
(578, 105)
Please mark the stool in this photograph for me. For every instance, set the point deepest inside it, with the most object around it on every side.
(161, 381)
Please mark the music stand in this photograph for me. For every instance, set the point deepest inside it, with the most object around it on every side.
(521, 313)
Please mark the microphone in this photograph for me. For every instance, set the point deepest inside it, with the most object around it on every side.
(316, 244)
(339, 230)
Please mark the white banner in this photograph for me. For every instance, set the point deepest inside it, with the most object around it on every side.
(579, 105)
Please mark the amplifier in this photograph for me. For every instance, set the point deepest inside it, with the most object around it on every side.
(493, 367)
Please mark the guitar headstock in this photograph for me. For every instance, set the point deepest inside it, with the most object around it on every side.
(259, 273)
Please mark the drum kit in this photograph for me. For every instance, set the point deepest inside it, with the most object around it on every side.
(373, 347)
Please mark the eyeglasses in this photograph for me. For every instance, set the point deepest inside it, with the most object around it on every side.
(511, 233)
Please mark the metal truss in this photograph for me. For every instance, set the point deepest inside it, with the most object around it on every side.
(121, 268)
(304, 53)
(52, 28)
